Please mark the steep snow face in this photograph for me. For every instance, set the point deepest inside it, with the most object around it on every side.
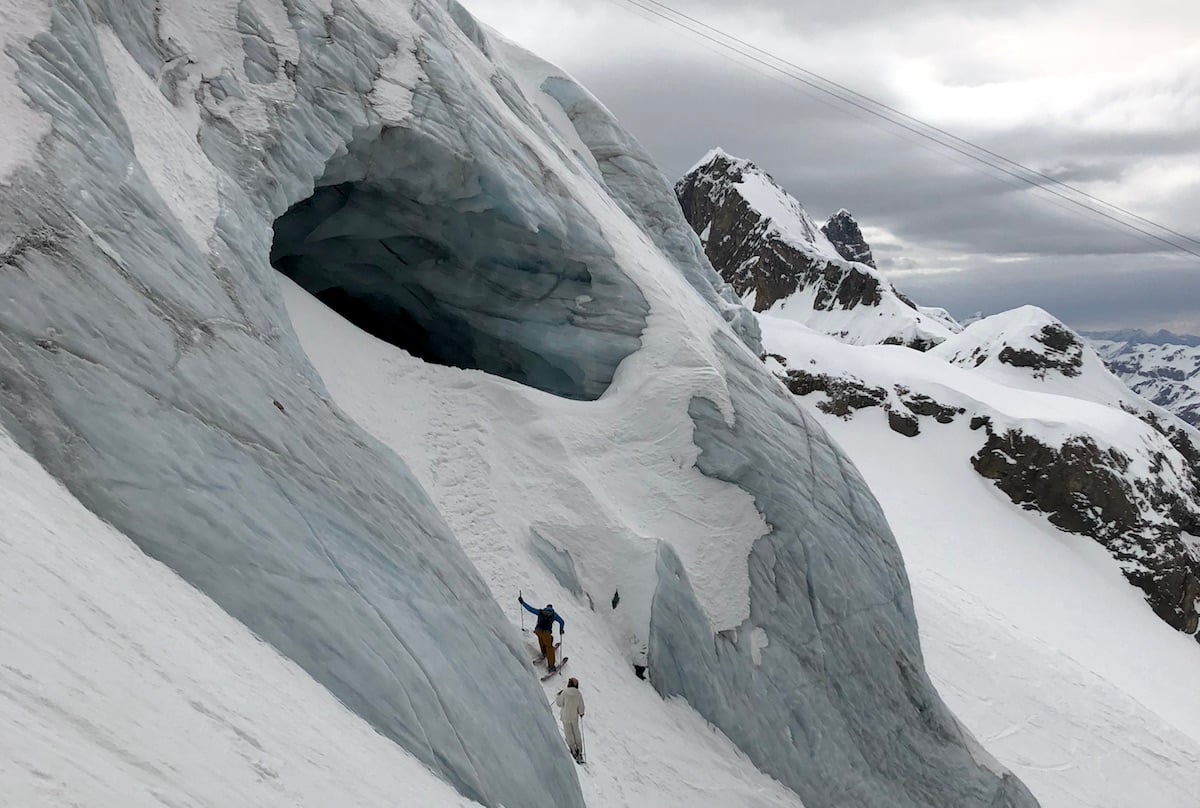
(149, 364)
(763, 242)
(1162, 367)
(1056, 433)
(1019, 622)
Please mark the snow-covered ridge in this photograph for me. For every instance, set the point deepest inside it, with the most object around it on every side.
(1057, 433)
(765, 244)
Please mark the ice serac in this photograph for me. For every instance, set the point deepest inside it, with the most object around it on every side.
(841, 678)
(148, 363)
(645, 196)
(763, 242)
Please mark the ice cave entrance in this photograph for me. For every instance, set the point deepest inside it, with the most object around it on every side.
(435, 252)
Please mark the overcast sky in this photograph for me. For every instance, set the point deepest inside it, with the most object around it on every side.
(1104, 94)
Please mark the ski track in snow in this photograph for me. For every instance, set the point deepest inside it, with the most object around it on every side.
(120, 685)
(1031, 635)
(494, 456)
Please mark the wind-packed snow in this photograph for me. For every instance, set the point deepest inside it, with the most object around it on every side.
(122, 685)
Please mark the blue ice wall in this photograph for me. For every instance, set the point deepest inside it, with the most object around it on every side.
(159, 379)
(462, 262)
(835, 703)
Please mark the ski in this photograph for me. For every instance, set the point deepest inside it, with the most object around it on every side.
(539, 660)
(554, 672)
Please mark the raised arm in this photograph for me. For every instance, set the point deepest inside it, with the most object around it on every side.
(528, 608)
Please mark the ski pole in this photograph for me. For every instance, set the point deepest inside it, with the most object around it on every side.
(521, 609)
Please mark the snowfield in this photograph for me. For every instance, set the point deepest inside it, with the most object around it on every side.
(1031, 634)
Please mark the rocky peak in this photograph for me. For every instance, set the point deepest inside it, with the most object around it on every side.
(845, 235)
(763, 243)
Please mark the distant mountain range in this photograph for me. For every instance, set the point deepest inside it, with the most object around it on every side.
(1163, 367)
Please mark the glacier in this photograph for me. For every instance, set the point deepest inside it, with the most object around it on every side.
(479, 209)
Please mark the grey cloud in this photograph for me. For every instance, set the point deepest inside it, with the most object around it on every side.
(1086, 293)
(829, 159)
(804, 16)
(681, 101)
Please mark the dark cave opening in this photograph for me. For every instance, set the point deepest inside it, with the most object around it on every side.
(441, 258)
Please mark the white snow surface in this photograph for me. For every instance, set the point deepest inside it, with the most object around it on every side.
(509, 466)
(120, 684)
(1032, 635)
(861, 325)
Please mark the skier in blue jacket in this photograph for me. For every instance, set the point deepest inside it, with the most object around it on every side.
(546, 617)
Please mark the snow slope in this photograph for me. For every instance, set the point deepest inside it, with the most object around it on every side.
(995, 345)
(123, 685)
(1019, 620)
(513, 469)
(1021, 625)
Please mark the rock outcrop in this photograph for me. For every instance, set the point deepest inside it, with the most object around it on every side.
(846, 237)
(775, 256)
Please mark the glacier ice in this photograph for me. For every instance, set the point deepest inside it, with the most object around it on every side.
(841, 668)
(462, 262)
(156, 375)
(388, 153)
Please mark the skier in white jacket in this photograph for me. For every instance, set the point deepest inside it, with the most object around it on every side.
(570, 700)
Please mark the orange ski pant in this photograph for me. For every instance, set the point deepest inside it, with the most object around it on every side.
(546, 644)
